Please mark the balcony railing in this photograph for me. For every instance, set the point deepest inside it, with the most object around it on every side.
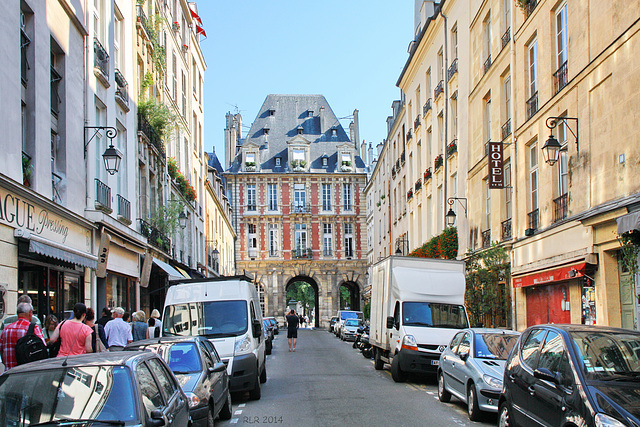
(487, 64)
(327, 252)
(453, 69)
(274, 253)
(101, 58)
(560, 78)
(533, 220)
(150, 133)
(439, 89)
(532, 105)
(300, 208)
(427, 107)
(142, 18)
(252, 207)
(418, 184)
(506, 230)
(506, 38)
(398, 165)
(561, 208)
(409, 135)
(103, 194)
(121, 88)
(302, 253)
(529, 7)
(402, 158)
(124, 208)
(486, 238)
(416, 123)
(155, 237)
(506, 129)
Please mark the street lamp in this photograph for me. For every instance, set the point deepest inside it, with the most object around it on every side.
(182, 220)
(451, 215)
(551, 148)
(112, 156)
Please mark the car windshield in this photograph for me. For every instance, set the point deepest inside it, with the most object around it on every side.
(211, 319)
(606, 355)
(494, 345)
(349, 315)
(352, 322)
(184, 358)
(88, 392)
(434, 315)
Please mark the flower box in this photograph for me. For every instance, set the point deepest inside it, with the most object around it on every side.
(427, 174)
(185, 48)
(452, 148)
(438, 161)
(409, 194)
(175, 26)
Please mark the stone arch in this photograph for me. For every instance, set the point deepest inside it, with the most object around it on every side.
(353, 282)
(316, 288)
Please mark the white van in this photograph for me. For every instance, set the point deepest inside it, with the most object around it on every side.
(344, 315)
(227, 311)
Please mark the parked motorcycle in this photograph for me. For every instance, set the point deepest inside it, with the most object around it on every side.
(365, 345)
(356, 341)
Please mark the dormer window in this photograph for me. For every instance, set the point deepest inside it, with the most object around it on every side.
(334, 132)
(310, 113)
(300, 130)
(345, 162)
(250, 161)
(278, 160)
(272, 112)
(325, 161)
(265, 130)
(298, 154)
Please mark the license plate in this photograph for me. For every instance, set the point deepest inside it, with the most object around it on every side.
(435, 362)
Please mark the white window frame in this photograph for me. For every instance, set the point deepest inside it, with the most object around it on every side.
(561, 36)
(326, 197)
(532, 67)
(533, 176)
(348, 240)
(251, 198)
(299, 198)
(273, 240)
(347, 197)
(272, 190)
(327, 240)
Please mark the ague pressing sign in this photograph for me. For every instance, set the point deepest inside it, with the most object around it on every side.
(496, 161)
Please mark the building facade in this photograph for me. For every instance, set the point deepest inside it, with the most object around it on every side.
(295, 184)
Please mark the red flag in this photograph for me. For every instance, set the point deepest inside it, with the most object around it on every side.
(195, 16)
(200, 30)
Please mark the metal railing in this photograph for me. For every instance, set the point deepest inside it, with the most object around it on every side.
(487, 64)
(101, 58)
(143, 19)
(124, 208)
(533, 219)
(453, 69)
(418, 185)
(402, 158)
(560, 78)
(532, 105)
(252, 207)
(506, 229)
(103, 194)
(486, 238)
(150, 133)
(409, 135)
(274, 253)
(439, 89)
(506, 129)
(529, 7)
(300, 208)
(327, 252)
(561, 207)
(427, 107)
(154, 236)
(506, 38)
(416, 123)
(54, 86)
(302, 253)
(121, 88)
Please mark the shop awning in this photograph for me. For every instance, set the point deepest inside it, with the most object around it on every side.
(171, 271)
(55, 250)
(548, 277)
(183, 273)
(628, 222)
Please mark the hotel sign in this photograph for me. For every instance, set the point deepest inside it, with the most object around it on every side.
(496, 162)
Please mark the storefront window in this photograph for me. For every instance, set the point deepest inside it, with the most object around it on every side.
(72, 294)
(120, 292)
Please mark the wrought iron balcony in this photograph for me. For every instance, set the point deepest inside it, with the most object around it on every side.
(532, 105)
(453, 69)
(533, 219)
(486, 238)
(122, 95)
(327, 252)
(487, 64)
(439, 90)
(529, 7)
(124, 209)
(155, 237)
(506, 230)
(560, 78)
(103, 195)
(402, 158)
(274, 253)
(142, 19)
(506, 129)
(561, 208)
(506, 38)
(304, 208)
(302, 253)
(150, 133)
(101, 59)
(409, 135)
(427, 107)
(418, 185)
(252, 207)
(416, 123)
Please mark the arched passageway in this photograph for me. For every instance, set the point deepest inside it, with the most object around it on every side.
(349, 296)
(304, 290)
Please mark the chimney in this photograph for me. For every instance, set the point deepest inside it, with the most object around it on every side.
(363, 151)
(356, 131)
(379, 147)
(424, 9)
(322, 126)
(370, 153)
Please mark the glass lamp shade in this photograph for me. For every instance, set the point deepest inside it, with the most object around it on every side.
(451, 217)
(112, 157)
(550, 150)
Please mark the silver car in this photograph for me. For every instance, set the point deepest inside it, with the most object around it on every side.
(472, 367)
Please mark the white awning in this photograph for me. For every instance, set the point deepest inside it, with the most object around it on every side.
(55, 250)
(172, 272)
(628, 222)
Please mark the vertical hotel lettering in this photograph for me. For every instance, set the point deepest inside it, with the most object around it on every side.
(496, 159)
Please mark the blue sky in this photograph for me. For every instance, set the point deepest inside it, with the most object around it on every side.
(352, 52)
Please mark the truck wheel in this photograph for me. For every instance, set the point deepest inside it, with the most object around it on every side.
(443, 394)
(263, 375)
(378, 362)
(255, 394)
(396, 373)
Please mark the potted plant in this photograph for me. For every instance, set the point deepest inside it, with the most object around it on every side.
(175, 26)
(409, 194)
(438, 161)
(452, 148)
(172, 167)
(185, 47)
(427, 174)
(27, 170)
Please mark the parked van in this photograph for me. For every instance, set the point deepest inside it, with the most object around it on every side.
(344, 315)
(226, 310)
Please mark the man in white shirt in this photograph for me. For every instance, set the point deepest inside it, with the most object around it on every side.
(118, 331)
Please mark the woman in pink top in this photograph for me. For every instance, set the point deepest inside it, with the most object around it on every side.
(75, 335)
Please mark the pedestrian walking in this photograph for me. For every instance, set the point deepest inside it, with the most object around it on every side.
(10, 319)
(118, 331)
(155, 314)
(106, 316)
(139, 326)
(50, 324)
(292, 329)
(98, 338)
(154, 324)
(75, 336)
(14, 331)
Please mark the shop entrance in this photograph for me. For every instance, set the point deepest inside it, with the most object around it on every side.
(548, 304)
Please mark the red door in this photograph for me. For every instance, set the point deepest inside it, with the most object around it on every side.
(545, 304)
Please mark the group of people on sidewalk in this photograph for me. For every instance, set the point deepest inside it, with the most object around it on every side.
(79, 334)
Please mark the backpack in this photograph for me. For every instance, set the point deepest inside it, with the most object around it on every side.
(99, 347)
(156, 332)
(30, 347)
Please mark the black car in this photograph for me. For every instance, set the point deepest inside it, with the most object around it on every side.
(117, 388)
(268, 336)
(558, 375)
(199, 370)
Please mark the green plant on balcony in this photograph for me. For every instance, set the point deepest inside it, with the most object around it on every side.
(452, 148)
(165, 219)
(438, 161)
(378, 204)
(427, 174)
(303, 163)
(522, 4)
(382, 196)
(161, 119)
(27, 170)
(172, 167)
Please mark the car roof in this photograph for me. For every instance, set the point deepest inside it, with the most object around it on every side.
(584, 328)
(165, 340)
(492, 331)
(107, 358)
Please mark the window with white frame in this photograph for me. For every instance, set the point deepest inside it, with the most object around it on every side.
(347, 197)
(440, 66)
(454, 42)
(326, 197)
(563, 161)
(506, 16)
(348, 240)
(506, 90)
(278, 160)
(486, 35)
(487, 203)
(251, 197)
(299, 198)
(533, 176)
(327, 239)
(561, 36)
(252, 236)
(300, 236)
(272, 190)
(532, 64)
(487, 117)
(507, 187)
(273, 240)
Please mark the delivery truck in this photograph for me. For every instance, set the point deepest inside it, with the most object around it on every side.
(417, 306)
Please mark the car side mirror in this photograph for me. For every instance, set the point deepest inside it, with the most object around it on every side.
(257, 328)
(547, 375)
(390, 322)
(464, 356)
(157, 419)
(218, 367)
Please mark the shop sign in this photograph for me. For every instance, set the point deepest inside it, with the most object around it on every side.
(103, 255)
(546, 277)
(496, 161)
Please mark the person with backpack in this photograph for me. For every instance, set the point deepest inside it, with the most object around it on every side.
(98, 338)
(75, 335)
(12, 333)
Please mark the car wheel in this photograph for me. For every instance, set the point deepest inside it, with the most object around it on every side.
(396, 373)
(378, 363)
(472, 403)
(443, 394)
(504, 416)
(255, 394)
(227, 411)
(211, 416)
(263, 375)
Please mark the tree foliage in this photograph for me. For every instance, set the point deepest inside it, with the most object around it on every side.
(165, 218)
(444, 246)
(303, 293)
(345, 298)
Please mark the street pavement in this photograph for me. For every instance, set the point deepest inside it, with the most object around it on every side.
(326, 382)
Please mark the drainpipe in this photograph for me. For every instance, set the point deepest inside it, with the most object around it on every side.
(514, 162)
(445, 122)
